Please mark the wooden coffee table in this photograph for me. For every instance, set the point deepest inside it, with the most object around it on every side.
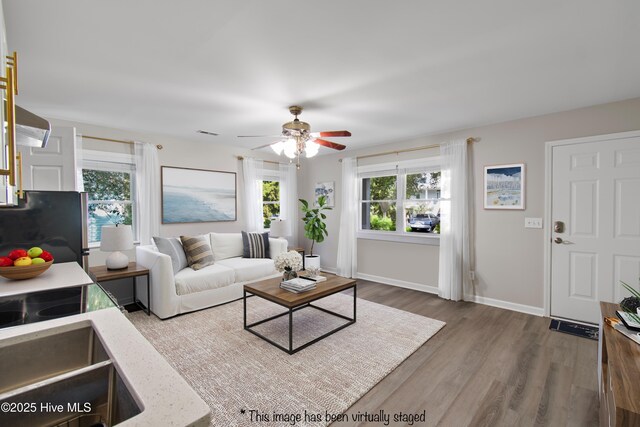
(270, 290)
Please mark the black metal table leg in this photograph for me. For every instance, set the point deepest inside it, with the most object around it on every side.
(147, 308)
(289, 312)
(354, 302)
(290, 331)
(148, 296)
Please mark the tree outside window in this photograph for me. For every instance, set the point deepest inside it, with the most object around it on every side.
(403, 202)
(270, 202)
(379, 203)
(110, 199)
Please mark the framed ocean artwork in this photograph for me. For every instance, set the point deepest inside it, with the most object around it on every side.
(197, 195)
(504, 186)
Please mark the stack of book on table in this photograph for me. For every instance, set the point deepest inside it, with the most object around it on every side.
(298, 285)
(627, 327)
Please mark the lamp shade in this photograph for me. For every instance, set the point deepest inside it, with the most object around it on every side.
(116, 238)
(280, 228)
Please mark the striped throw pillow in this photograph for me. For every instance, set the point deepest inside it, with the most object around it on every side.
(198, 251)
(255, 245)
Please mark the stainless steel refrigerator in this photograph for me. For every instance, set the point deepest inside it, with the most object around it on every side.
(56, 221)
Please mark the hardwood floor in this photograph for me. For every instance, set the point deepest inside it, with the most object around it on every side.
(486, 367)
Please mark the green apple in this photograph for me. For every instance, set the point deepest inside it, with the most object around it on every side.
(37, 260)
(34, 252)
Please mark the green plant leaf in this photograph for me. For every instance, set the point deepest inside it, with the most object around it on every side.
(630, 289)
(636, 294)
(315, 228)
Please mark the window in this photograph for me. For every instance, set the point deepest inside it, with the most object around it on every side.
(400, 202)
(111, 189)
(270, 201)
(422, 202)
(379, 203)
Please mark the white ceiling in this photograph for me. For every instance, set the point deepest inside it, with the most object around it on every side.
(386, 71)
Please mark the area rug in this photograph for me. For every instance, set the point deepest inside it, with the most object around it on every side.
(247, 381)
(584, 331)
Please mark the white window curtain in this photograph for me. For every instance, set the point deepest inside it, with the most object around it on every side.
(289, 200)
(147, 191)
(252, 174)
(454, 276)
(79, 160)
(347, 265)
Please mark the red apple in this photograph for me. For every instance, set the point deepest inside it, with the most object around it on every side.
(46, 256)
(17, 253)
(5, 261)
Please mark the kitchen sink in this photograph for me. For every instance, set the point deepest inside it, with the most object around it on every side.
(48, 356)
(62, 377)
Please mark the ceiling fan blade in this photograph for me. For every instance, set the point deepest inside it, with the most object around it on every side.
(330, 144)
(333, 133)
(263, 146)
(258, 136)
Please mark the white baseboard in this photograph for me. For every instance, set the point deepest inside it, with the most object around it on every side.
(329, 270)
(399, 283)
(528, 309)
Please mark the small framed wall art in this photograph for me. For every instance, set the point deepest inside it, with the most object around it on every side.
(504, 186)
(197, 195)
(325, 189)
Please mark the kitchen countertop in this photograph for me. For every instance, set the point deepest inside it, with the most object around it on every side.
(57, 276)
(164, 397)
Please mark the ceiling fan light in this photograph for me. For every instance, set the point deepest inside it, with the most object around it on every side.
(290, 148)
(278, 147)
(311, 149)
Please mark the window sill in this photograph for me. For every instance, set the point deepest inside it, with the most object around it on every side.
(412, 238)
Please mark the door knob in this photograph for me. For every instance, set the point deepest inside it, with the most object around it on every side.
(558, 240)
(558, 227)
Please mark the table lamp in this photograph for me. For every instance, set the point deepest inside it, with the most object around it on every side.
(279, 228)
(116, 238)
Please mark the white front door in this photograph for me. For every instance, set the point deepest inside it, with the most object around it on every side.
(595, 196)
(51, 168)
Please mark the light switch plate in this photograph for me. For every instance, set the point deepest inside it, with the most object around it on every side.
(533, 223)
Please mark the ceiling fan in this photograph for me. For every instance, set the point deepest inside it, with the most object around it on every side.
(297, 138)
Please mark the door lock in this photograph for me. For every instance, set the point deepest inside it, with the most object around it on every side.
(558, 227)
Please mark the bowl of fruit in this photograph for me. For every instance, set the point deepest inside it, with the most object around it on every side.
(22, 264)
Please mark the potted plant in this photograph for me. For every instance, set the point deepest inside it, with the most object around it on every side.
(315, 229)
(631, 304)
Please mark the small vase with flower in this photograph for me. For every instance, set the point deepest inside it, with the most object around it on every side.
(289, 263)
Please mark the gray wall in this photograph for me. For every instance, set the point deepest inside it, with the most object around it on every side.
(508, 258)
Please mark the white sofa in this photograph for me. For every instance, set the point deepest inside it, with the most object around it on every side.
(187, 290)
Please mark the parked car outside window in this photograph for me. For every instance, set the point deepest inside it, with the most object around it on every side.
(424, 222)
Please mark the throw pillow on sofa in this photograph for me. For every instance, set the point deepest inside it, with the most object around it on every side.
(198, 251)
(171, 246)
(255, 245)
(226, 245)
